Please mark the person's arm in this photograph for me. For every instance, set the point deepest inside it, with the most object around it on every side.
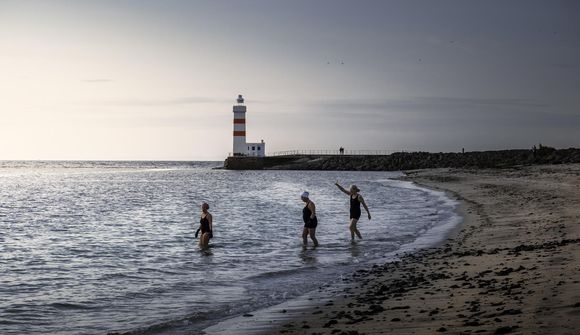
(210, 220)
(341, 188)
(312, 208)
(362, 201)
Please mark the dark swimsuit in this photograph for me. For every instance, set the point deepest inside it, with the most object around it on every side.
(205, 226)
(308, 222)
(354, 208)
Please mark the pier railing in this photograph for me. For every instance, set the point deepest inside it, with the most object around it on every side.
(334, 152)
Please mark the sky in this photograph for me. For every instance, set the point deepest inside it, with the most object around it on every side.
(156, 80)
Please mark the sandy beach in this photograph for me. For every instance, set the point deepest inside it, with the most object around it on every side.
(512, 267)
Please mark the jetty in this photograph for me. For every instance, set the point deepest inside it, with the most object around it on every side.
(377, 160)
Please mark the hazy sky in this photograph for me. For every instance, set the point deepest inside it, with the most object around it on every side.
(157, 79)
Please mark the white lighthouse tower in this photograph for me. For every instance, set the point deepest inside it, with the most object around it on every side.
(241, 147)
(240, 128)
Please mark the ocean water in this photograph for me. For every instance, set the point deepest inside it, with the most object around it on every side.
(109, 247)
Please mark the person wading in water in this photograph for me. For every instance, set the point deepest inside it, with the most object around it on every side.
(310, 220)
(206, 226)
(355, 201)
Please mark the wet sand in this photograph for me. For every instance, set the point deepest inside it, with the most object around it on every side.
(513, 267)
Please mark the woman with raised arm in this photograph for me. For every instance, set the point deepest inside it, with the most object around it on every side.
(310, 220)
(355, 201)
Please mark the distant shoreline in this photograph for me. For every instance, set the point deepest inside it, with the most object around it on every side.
(402, 161)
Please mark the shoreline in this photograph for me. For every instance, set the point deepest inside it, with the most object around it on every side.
(512, 266)
(267, 320)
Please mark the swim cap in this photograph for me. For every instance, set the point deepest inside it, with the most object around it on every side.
(305, 194)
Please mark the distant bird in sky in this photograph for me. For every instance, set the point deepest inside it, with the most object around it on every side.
(338, 62)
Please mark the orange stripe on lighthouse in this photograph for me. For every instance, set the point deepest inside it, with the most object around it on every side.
(239, 133)
(239, 121)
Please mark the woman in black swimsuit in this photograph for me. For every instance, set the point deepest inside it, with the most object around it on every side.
(355, 201)
(310, 220)
(206, 226)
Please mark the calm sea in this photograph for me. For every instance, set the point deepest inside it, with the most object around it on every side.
(104, 247)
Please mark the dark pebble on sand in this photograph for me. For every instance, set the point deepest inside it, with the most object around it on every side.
(505, 330)
(442, 329)
(248, 315)
(330, 323)
(400, 307)
(505, 272)
(511, 312)
(395, 320)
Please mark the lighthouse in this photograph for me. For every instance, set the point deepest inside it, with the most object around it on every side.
(241, 147)
(240, 127)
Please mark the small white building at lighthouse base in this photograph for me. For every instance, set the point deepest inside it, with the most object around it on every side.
(256, 149)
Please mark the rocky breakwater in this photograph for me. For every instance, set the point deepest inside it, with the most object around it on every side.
(408, 160)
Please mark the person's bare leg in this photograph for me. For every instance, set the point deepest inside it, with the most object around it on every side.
(305, 236)
(312, 232)
(353, 229)
(205, 240)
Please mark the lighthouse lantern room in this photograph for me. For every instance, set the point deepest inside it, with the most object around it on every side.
(241, 147)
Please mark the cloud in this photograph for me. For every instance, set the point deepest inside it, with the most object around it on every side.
(446, 113)
(97, 80)
(161, 102)
(421, 109)
(177, 101)
(425, 103)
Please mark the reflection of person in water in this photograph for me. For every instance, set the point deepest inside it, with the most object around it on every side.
(206, 226)
(310, 220)
(355, 201)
